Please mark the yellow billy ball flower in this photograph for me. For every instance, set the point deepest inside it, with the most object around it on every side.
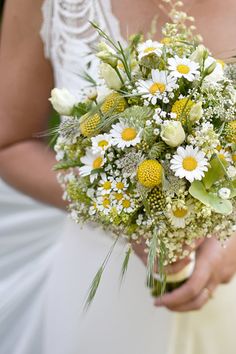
(149, 173)
(182, 109)
(231, 131)
(89, 125)
(114, 103)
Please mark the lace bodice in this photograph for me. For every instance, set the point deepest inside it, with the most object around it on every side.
(69, 39)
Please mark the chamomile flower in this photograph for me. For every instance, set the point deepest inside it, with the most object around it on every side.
(104, 204)
(123, 135)
(224, 155)
(101, 143)
(91, 162)
(93, 208)
(183, 67)
(189, 163)
(156, 87)
(120, 184)
(178, 215)
(149, 47)
(104, 185)
(127, 205)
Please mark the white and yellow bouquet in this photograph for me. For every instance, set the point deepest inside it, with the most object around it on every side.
(150, 152)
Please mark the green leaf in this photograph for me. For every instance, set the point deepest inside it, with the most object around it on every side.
(126, 262)
(198, 191)
(215, 172)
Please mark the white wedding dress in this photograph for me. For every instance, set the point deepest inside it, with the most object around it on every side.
(47, 262)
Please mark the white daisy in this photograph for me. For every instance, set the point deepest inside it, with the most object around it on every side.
(104, 204)
(120, 184)
(126, 204)
(101, 143)
(156, 87)
(224, 155)
(104, 185)
(149, 47)
(189, 163)
(123, 135)
(91, 162)
(178, 216)
(93, 209)
(183, 67)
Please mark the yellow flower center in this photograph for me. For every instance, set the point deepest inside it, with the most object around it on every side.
(149, 49)
(126, 203)
(149, 173)
(189, 163)
(103, 143)
(107, 185)
(221, 156)
(97, 163)
(183, 69)
(182, 109)
(157, 86)
(120, 185)
(234, 157)
(129, 134)
(118, 196)
(106, 203)
(180, 212)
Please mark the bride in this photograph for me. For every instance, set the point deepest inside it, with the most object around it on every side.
(42, 303)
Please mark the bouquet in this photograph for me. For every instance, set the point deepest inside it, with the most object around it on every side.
(149, 153)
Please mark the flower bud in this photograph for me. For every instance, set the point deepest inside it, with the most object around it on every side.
(92, 94)
(196, 112)
(107, 58)
(209, 70)
(172, 133)
(107, 54)
(200, 54)
(63, 101)
(110, 76)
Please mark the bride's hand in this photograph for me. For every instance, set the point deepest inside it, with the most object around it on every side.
(214, 265)
(176, 267)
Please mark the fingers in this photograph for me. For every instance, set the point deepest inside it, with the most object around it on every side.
(177, 266)
(198, 302)
(191, 289)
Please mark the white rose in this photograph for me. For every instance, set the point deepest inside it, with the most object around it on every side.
(196, 112)
(172, 133)
(200, 54)
(110, 76)
(217, 74)
(224, 193)
(63, 101)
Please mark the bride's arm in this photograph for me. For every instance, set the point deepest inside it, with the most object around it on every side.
(25, 83)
